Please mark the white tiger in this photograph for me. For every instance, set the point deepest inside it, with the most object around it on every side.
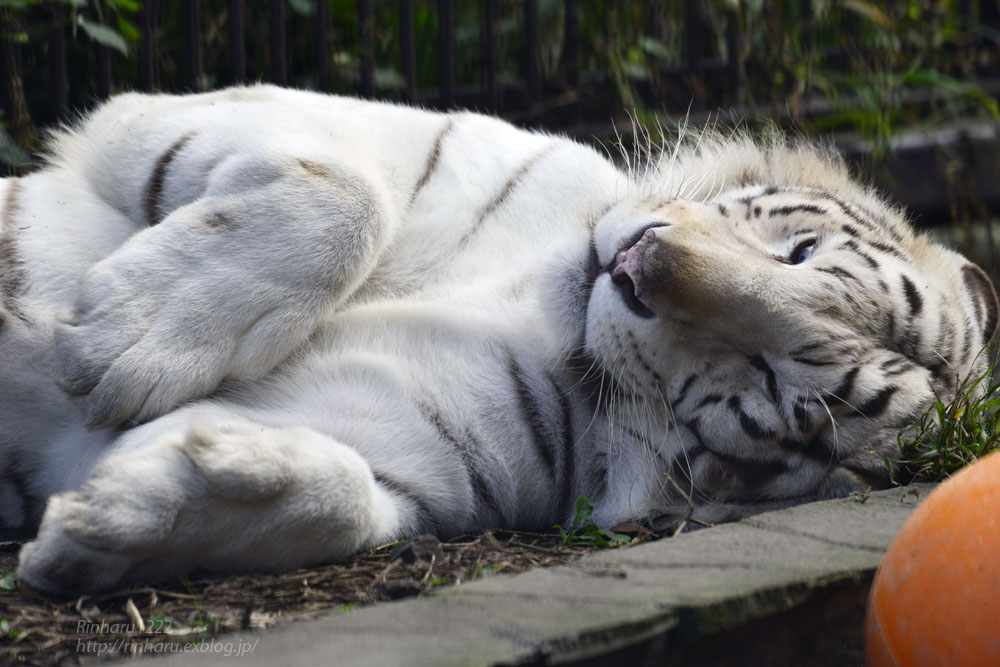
(264, 328)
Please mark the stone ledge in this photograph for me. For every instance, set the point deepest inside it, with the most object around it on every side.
(714, 595)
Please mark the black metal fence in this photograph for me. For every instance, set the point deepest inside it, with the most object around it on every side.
(252, 57)
(714, 51)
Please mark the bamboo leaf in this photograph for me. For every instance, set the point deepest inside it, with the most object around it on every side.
(127, 5)
(870, 11)
(102, 34)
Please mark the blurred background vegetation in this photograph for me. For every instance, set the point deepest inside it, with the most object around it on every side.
(908, 90)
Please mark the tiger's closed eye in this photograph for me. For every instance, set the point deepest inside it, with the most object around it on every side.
(770, 379)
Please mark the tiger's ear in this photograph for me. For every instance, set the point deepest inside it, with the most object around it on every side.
(984, 297)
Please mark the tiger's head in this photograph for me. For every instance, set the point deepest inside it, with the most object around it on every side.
(768, 326)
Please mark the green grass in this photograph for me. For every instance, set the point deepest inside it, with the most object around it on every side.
(7, 629)
(203, 620)
(485, 571)
(585, 532)
(951, 434)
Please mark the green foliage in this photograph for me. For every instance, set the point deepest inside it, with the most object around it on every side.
(484, 571)
(105, 22)
(7, 629)
(303, 7)
(584, 532)
(876, 66)
(952, 434)
(32, 25)
(203, 620)
(103, 34)
(8, 582)
(878, 106)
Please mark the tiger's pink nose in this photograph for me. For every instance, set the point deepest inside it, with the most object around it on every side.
(628, 264)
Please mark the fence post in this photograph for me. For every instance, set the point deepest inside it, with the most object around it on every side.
(16, 111)
(572, 55)
(967, 36)
(489, 55)
(806, 25)
(733, 54)
(989, 17)
(57, 62)
(235, 26)
(321, 45)
(407, 53)
(531, 73)
(276, 37)
(147, 76)
(102, 58)
(191, 39)
(446, 54)
(694, 45)
(366, 35)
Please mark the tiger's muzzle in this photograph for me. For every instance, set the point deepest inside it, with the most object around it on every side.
(703, 276)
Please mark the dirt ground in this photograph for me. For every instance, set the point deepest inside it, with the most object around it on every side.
(37, 630)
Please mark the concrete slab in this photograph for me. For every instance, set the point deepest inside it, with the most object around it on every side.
(863, 522)
(675, 598)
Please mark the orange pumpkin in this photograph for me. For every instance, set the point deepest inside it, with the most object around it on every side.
(936, 596)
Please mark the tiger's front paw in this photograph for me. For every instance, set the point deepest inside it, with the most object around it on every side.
(94, 538)
(62, 562)
(211, 491)
(138, 345)
(155, 326)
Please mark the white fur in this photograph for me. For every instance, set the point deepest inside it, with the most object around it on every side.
(311, 337)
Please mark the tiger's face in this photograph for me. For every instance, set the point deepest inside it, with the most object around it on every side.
(770, 341)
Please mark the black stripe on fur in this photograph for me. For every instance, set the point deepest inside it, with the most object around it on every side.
(568, 447)
(748, 423)
(432, 158)
(505, 192)
(913, 298)
(797, 208)
(534, 417)
(874, 405)
(154, 188)
(485, 498)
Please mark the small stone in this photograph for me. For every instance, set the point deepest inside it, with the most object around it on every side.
(421, 547)
(397, 589)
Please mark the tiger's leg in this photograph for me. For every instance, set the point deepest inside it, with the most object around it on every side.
(224, 287)
(204, 487)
